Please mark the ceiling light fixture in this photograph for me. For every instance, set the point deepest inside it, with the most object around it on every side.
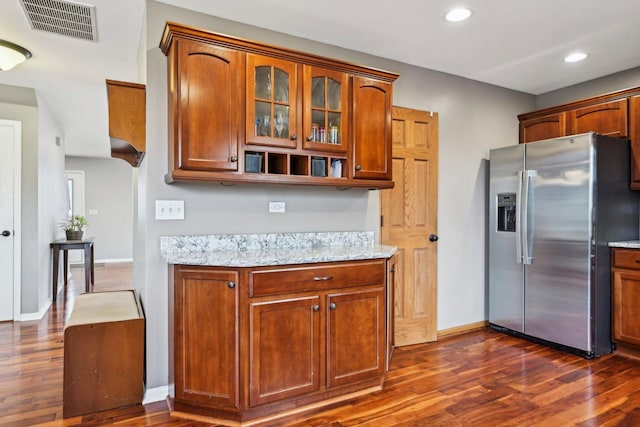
(11, 55)
(457, 15)
(575, 57)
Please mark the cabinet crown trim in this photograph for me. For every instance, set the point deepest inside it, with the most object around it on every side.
(173, 29)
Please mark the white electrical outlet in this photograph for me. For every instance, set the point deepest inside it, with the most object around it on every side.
(277, 207)
(169, 209)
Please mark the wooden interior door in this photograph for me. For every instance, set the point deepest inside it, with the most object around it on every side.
(409, 221)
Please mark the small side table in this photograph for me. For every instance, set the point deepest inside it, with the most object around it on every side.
(65, 245)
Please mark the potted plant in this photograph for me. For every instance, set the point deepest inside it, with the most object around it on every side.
(74, 227)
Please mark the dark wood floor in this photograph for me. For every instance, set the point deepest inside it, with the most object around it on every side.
(483, 378)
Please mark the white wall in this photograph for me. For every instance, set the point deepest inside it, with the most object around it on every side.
(42, 192)
(474, 117)
(612, 83)
(52, 199)
(108, 190)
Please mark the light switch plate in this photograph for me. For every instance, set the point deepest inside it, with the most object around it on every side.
(169, 209)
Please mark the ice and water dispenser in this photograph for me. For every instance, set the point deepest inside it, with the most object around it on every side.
(507, 212)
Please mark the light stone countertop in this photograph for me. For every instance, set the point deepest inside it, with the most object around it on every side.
(630, 244)
(244, 250)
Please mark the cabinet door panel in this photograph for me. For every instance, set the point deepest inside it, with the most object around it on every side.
(634, 135)
(356, 336)
(206, 341)
(608, 118)
(271, 102)
(282, 332)
(326, 102)
(371, 129)
(209, 101)
(551, 126)
(626, 300)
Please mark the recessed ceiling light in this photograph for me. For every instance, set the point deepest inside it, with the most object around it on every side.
(457, 15)
(575, 57)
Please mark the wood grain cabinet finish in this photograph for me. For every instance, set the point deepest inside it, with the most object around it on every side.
(204, 107)
(626, 296)
(205, 367)
(371, 129)
(254, 342)
(546, 127)
(615, 114)
(634, 135)
(127, 120)
(607, 118)
(245, 111)
(285, 348)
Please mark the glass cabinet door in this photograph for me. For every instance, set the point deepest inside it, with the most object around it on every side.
(271, 102)
(325, 99)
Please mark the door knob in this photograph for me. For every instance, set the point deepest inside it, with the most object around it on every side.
(6, 233)
(433, 237)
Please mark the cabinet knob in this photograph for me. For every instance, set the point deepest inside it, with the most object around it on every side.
(433, 237)
(294, 137)
(358, 167)
(234, 158)
(316, 307)
(231, 284)
(332, 306)
(310, 138)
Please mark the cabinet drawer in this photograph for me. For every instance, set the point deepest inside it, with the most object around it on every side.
(626, 258)
(316, 277)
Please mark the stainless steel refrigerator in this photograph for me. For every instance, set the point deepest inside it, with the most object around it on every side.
(553, 207)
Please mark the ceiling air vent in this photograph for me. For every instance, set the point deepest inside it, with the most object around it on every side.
(62, 17)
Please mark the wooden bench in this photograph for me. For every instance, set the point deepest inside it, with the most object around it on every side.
(103, 353)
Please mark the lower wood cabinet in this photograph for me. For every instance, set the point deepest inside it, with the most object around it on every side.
(248, 343)
(204, 342)
(626, 297)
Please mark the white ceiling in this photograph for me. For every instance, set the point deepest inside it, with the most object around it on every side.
(514, 44)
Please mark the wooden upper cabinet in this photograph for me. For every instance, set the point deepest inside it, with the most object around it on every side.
(371, 128)
(245, 111)
(551, 126)
(205, 106)
(271, 102)
(127, 120)
(325, 109)
(616, 114)
(634, 135)
(607, 118)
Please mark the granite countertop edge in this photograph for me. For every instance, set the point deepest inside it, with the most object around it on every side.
(278, 256)
(631, 244)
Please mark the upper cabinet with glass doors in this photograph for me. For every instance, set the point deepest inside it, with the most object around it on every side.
(326, 112)
(265, 114)
(271, 102)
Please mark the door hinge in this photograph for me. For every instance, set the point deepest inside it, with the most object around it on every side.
(381, 220)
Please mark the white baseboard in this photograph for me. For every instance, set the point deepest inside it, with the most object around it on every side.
(25, 317)
(155, 394)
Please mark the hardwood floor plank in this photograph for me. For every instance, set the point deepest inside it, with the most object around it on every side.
(481, 378)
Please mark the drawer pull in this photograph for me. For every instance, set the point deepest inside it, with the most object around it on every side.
(637, 261)
(322, 278)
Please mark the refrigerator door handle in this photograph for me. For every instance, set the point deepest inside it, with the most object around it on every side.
(524, 217)
(518, 218)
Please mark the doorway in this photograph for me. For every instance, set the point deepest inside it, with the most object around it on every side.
(409, 221)
(10, 244)
(75, 187)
